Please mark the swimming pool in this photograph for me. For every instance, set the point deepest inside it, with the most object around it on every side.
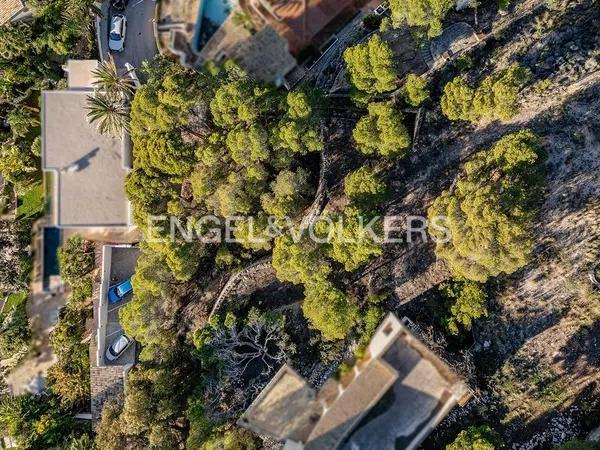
(51, 237)
(211, 15)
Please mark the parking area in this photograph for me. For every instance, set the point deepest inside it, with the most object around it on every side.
(140, 44)
(121, 261)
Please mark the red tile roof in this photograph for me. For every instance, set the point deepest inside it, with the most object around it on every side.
(302, 20)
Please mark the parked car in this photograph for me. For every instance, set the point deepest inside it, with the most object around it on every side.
(118, 291)
(118, 347)
(118, 29)
(119, 5)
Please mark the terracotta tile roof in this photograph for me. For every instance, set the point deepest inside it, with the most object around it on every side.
(300, 23)
(8, 8)
(106, 383)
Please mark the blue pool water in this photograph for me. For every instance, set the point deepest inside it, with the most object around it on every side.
(211, 15)
(51, 243)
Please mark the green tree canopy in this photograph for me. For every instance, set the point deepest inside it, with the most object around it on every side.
(475, 438)
(421, 13)
(297, 131)
(467, 301)
(457, 100)
(496, 98)
(329, 310)
(364, 186)
(290, 192)
(382, 132)
(489, 213)
(164, 102)
(299, 262)
(371, 66)
(415, 90)
(352, 244)
(164, 153)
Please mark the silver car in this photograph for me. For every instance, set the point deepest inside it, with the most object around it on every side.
(118, 347)
(118, 29)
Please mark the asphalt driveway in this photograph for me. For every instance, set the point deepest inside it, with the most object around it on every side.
(139, 40)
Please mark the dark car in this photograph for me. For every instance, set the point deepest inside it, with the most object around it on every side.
(119, 5)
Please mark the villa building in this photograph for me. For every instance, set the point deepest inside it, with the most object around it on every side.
(265, 37)
(393, 397)
(87, 169)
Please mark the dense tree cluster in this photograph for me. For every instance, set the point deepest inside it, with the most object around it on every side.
(495, 98)
(421, 13)
(490, 211)
(69, 377)
(217, 143)
(153, 408)
(37, 422)
(31, 54)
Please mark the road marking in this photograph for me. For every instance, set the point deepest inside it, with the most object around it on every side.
(140, 1)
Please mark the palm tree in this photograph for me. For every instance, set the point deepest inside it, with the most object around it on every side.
(110, 111)
(108, 78)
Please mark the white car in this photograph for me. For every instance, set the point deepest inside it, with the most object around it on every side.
(118, 347)
(118, 28)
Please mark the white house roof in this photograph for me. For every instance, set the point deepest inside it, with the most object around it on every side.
(89, 178)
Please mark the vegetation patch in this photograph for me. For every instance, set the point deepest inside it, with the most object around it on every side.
(30, 201)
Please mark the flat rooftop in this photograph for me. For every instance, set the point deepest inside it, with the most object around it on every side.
(88, 175)
(419, 394)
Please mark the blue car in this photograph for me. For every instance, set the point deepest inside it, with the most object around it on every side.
(117, 292)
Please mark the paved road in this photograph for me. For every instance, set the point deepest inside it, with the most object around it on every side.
(139, 41)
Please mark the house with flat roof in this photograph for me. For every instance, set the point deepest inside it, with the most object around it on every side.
(107, 378)
(87, 168)
(392, 398)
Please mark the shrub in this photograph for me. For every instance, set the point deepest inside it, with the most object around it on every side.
(14, 334)
(372, 21)
(76, 259)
